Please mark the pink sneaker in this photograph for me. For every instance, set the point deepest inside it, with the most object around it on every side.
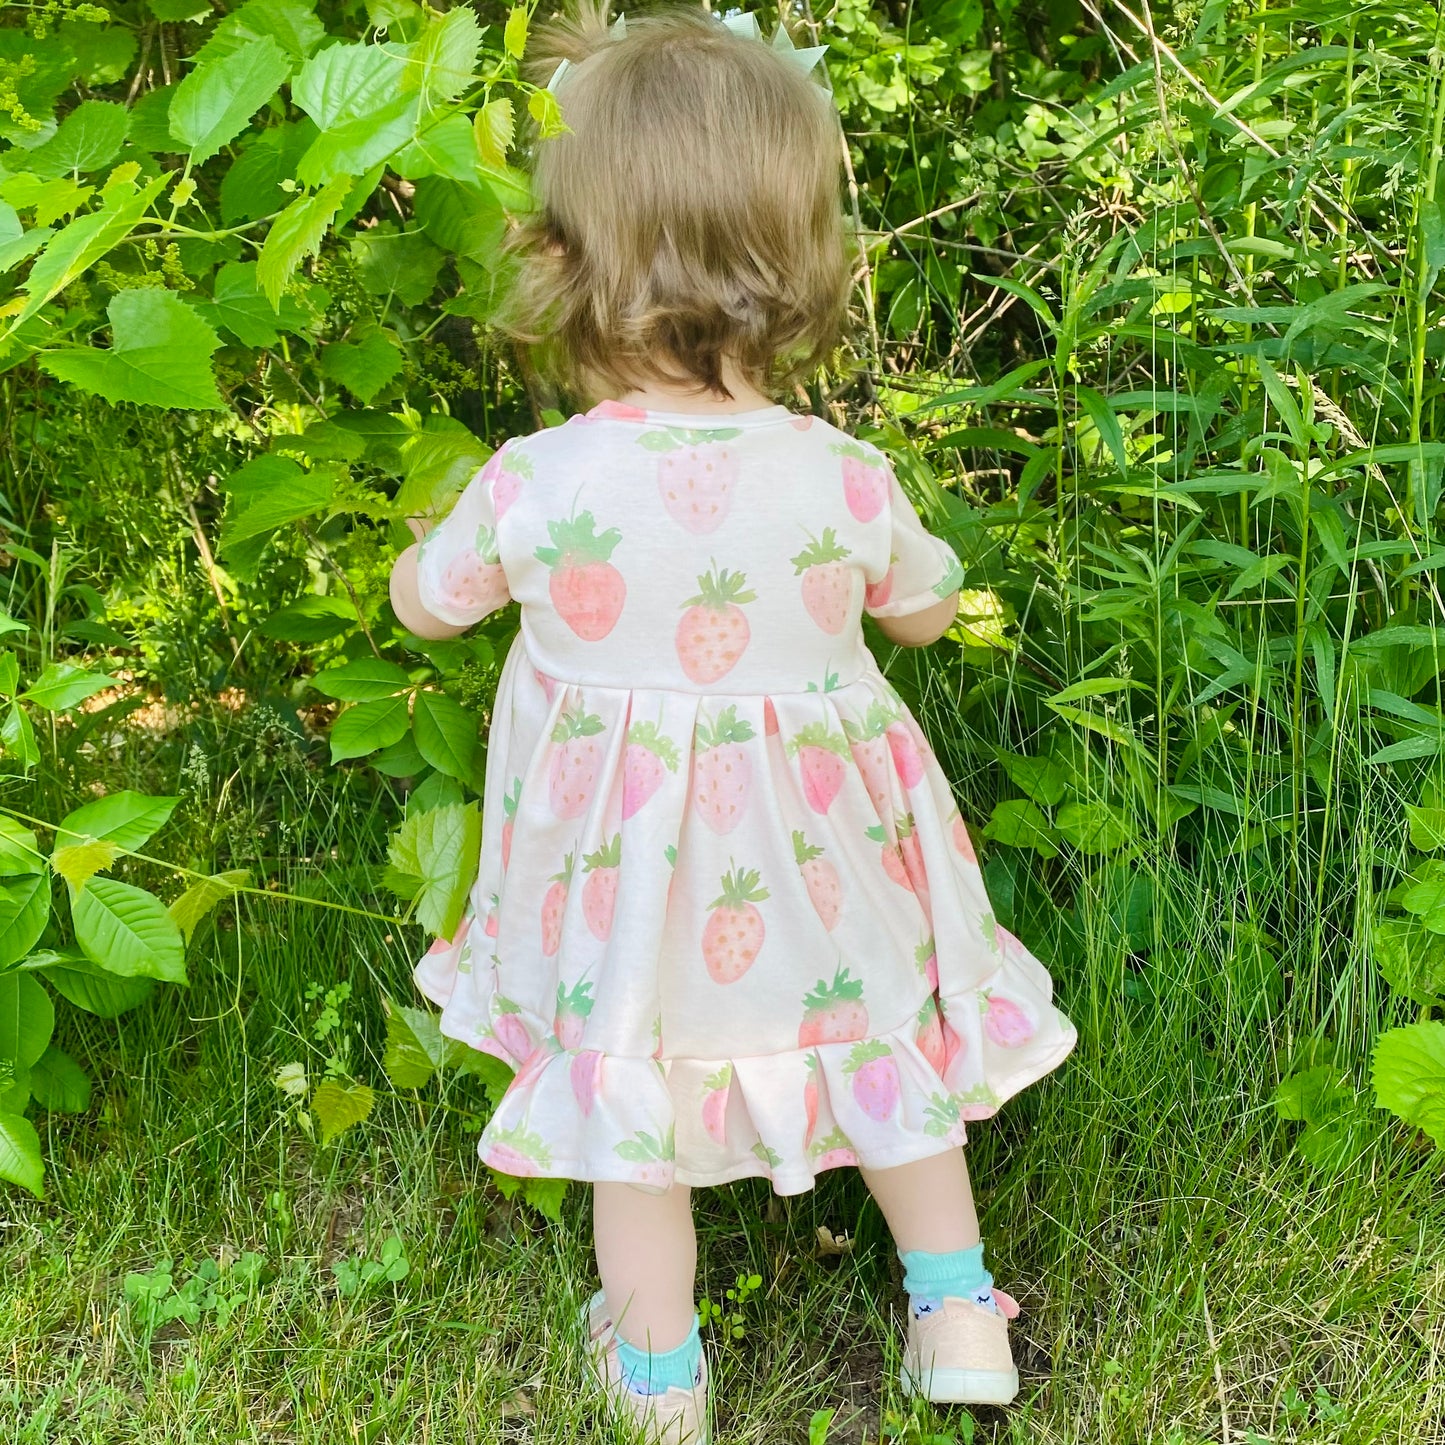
(959, 1353)
(677, 1418)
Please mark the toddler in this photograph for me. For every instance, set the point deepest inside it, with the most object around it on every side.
(728, 921)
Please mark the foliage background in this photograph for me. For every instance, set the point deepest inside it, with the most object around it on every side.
(1148, 316)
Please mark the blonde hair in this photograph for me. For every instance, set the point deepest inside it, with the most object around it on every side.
(691, 212)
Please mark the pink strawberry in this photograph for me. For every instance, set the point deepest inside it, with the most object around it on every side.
(907, 758)
(509, 819)
(876, 1085)
(929, 1037)
(1005, 1022)
(696, 477)
(554, 904)
(648, 755)
(532, 1065)
(820, 877)
(902, 855)
(514, 1151)
(876, 594)
(489, 927)
(573, 773)
(586, 1074)
(445, 945)
(865, 480)
(770, 718)
(511, 1032)
(616, 411)
(893, 864)
(509, 470)
(820, 756)
(547, 684)
(474, 581)
(962, 843)
(599, 892)
(722, 772)
(810, 1099)
(574, 1005)
(653, 1156)
(953, 1048)
(586, 589)
(733, 935)
(715, 1103)
(926, 957)
(1007, 944)
(833, 1151)
(827, 583)
(867, 740)
(713, 633)
(801, 423)
(834, 1013)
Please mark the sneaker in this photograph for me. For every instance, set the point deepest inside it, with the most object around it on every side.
(678, 1417)
(958, 1354)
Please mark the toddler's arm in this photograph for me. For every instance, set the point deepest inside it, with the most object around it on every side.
(406, 596)
(918, 629)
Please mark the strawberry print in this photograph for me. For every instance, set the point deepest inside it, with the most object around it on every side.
(865, 480)
(509, 1029)
(876, 594)
(554, 905)
(652, 1154)
(649, 758)
(770, 718)
(696, 474)
(572, 777)
(547, 684)
(715, 1103)
(834, 1012)
(492, 924)
(713, 633)
(585, 1075)
(874, 1073)
(510, 469)
(833, 1151)
(868, 744)
(510, 801)
(810, 1099)
(445, 945)
(533, 1065)
(517, 1152)
(764, 1154)
(827, 583)
(962, 843)
(573, 1007)
(820, 756)
(944, 1119)
(902, 855)
(820, 877)
(721, 772)
(1005, 1022)
(586, 589)
(733, 935)
(929, 1036)
(953, 1047)
(907, 756)
(801, 423)
(615, 411)
(474, 581)
(599, 890)
(926, 957)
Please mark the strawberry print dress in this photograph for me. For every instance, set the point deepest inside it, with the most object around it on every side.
(728, 920)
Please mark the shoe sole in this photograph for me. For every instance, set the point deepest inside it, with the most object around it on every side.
(963, 1387)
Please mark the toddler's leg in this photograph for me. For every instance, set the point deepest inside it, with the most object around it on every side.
(647, 1258)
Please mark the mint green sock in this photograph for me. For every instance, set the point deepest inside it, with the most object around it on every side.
(929, 1278)
(646, 1373)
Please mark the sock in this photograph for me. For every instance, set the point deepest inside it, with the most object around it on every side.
(646, 1373)
(960, 1274)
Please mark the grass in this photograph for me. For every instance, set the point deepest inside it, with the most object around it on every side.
(1186, 1274)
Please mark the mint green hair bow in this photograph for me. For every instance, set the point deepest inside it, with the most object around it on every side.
(743, 24)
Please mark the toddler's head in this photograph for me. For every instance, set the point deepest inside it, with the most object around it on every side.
(690, 213)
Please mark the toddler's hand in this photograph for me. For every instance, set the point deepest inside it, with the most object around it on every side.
(420, 526)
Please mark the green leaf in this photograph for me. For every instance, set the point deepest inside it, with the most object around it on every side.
(310, 619)
(92, 989)
(126, 819)
(363, 367)
(447, 148)
(19, 850)
(160, 355)
(355, 95)
(1411, 959)
(24, 908)
(50, 200)
(493, 126)
(366, 726)
(397, 263)
(441, 847)
(444, 56)
(446, 734)
(1427, 828)
(1040, 777)
(77, 247)
(89, 139)
(20, 1161)
(295, 234)
(1020, 824)
(62, 685)
(1106, 423)
(1092, 827)
(514, 37)
(78, 863)
(214, 103)
(415, 1049)
(1409, 1076)
(270, 492)
(59, 1083)
(366, 680)
(251, 187)
(339, 1107)
(237, 305)
(543, 108)
(27, 1019)
(291, 23)
(128, 931)
(203, 895)
(17, 737)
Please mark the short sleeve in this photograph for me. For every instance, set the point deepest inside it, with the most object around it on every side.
(922, 569)
(459, 572)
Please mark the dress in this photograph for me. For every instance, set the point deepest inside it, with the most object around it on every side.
(728, 920)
